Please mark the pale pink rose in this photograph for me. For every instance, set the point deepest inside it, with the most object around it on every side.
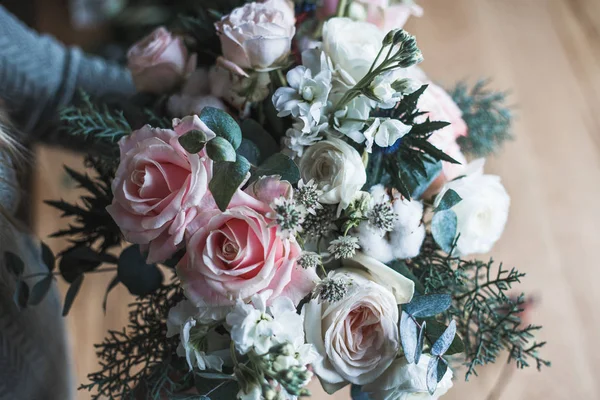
(257, 36)
(156, 188)
(236, 254)
(378, 12)
(440, 107)
(159, 62)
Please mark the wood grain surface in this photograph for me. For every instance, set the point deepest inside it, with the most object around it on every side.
(548, 53)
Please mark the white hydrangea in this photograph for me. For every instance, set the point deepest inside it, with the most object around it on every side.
(256, 326)
(407, 236)
(192, 326)
(483, 211)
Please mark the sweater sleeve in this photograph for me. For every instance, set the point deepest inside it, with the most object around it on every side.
(38, 75)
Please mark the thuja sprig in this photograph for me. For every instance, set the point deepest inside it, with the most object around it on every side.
(402, 52)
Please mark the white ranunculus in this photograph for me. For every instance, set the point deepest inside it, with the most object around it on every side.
(305, 97)
(258, 36)
(196, 344)
(352, 45)
(405, 239)
(337, 168)
(356, 336)
(402, 287)
(483, 211)
(404, 381)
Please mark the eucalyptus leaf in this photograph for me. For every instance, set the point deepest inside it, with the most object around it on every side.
(279, 164)
(222, 124)
(48, 257)
(443, 343)
(78, 260)
(428, 305)
(432, 375)
(441, 369)
(408, 336)
(435, 329)
(253, 131)
(14, 264)
(420, 341)
(219, 149)
(39, 290)
(443, 229)
(356, 393)
(138, 277)
(449, 200)
(71, 294)
(21, 295)
(227, 178)
(250, 151)
(217, 389)
(193, 141)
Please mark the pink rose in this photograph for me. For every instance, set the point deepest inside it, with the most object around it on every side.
(156, 186)
(257, 36)
(159, 62)
(195, 96)
(236, 254)
(377, 12)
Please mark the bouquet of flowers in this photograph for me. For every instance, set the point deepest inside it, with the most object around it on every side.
(289, 195)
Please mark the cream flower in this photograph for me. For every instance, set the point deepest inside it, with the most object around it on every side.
(483, 211)
(336, 168)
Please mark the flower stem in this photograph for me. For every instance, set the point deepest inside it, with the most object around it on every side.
(341, 8)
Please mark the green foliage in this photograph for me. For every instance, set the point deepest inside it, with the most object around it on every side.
(95, 124)
(140, 361)
(487, 316)
(487, 116)
(443, 229)
(279, 164)
(138, 277)
(227, 178)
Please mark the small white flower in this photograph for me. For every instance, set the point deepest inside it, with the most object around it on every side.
(306, 96)
(385, 133)
(383, 90)
(308, 259)
(344, 247)
(308, 195)
(296, 141)
(288, 216)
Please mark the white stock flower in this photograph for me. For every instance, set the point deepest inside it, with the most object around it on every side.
(357, 336)
(305, 97)
(483, 211)
(258, 327)
(406, 237)
(296, 141)
(385, 133)
(404, 381)
(336, 168)
(352, 45)
(191, 324)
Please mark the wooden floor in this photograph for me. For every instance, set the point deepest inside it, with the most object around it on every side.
(548, 53)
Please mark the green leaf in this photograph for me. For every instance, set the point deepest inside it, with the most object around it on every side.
(401, 267)
(408, 336)
(435, 329)
(428, 305)
(71, 294)
(216, 375)
(356, 393)
(420, 342)
(48, 257)
(218, 389)
(227, 178)
(21, 295)
(39, 290)
(219, 149)
(223, 125)
(443, 343)
(432, 376)
(254, 132)
(140, 278)
(193, 141)
(418, 179)
(113, 283)
(450, 199)
(250, 151)
(434, 152)
(443, 229)
(77, 261)
(279, 164)
(14, 264)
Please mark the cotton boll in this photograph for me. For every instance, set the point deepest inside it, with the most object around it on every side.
(407, 243)
(409, 212)
(373, 244)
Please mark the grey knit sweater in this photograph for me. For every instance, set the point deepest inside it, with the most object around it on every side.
(37, 76)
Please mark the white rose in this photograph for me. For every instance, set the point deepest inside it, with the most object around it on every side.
(337, 168)
(352, 45)
(404, 381)
(258, 36)
(356, 336)
(482, 212)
